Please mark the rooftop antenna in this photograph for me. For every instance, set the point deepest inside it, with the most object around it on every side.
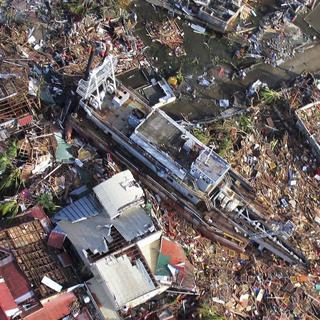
(209, 155)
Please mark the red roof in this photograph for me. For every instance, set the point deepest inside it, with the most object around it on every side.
(3, 315)
(56, 239)
(177, 258)
(15, 279)
(37, 212)
(173, 250)
(55, 308)
(25, 120)
(6, 301)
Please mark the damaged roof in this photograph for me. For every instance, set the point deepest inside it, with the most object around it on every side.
(87, 206)
(16, 107)
(56, 308)
(126, 280)
(173, 267)
(133, 223)
(118, 193)
(99, 238)
(27, 243)
(109, 222)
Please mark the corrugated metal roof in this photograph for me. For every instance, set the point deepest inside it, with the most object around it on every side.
(119, 192)
(25, 120)
(56, 238)
(81, 209)
(15, 279)
(7, 302)
(62, 150)
(172, 256)
(37, 212)
(126, 281)
(3, 315)
(134, 222)
(87, 234)
(55, 308)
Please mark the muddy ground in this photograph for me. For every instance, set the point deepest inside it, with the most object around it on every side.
(207, 53)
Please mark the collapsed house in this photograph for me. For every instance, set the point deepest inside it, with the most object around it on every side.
(36, 281)
(118, 242)
(16, 109)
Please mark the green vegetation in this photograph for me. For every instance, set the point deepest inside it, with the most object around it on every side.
(46, 201)
(225, 146)
(10, 207)
(273, 144)
(202, 135)
(111, 8)
(11, 179)
(6, 158)
(179, 76)
(270, 96)
(208, 312)
(10, 174)
(245, 123)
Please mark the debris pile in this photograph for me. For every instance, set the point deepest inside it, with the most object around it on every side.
(46, 47)
(167, 33)
(65, 39)
(311, 119)
(236, 285)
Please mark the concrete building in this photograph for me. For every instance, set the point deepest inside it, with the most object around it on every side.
(117, 242)
(105, 228)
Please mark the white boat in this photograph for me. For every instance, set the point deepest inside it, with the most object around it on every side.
(198, 29)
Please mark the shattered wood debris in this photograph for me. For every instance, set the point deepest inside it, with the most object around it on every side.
(167, 33)
(48, 44)
(234, 284)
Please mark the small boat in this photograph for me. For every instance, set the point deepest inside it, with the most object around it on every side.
(198, 29)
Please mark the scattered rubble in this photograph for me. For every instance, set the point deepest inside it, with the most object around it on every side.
(60, 64)
(169, 34)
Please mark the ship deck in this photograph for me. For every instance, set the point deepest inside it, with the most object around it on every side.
(118, 117)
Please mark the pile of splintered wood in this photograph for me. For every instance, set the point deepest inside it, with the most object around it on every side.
(167, 33)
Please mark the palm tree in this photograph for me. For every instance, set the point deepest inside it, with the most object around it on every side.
(4, 162)
(270, 96)
(10, 175)
(11, 180)
(7, 158)
(10, 207)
